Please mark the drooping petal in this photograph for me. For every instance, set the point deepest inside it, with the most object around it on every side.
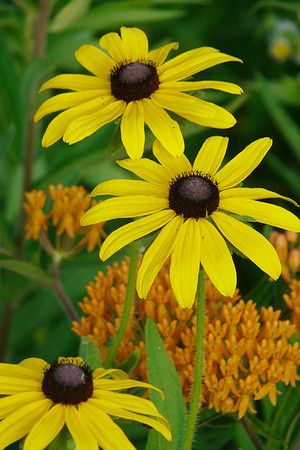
(118, 385)
(20, 422)
(191, 62)
(211, 155)
(116, 374)
(224, 86)
(83, 438)
(251, 243)
(254, 194)
(194, 109)
(46, 429)
(107, 433)
(68, 100)
(84, 126)
(148, 170)
(123, 207)
(165, 129)
(177, 164)
(216, 259)
(128, 401)
(129, 187)
(12, 403)
(160, 424)
(135, 43)
(185, 263)
(160, 54)
(236, 170)
(156, 255)
(94, 60)
(113, 44)
(60, 123)
(262, 212)
(74, 82)
(133, 129)
(133, 231)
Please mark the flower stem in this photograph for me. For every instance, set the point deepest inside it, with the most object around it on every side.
(196, 394)
(251, 433)
(130, 294)
(60, 292)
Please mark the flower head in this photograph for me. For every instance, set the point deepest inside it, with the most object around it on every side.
(247, 352)
(130, 81)
(199, 210)
(67, 204)
(41, 398)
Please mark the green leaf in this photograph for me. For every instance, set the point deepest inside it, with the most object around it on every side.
(70, 13)
(130, 363)
(90, 353)
(62, 441)
(162, 374)
(284, 122)
(27, 269)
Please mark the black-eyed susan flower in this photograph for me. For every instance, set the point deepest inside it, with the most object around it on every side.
(41, 398)
(199, 209)
(130, 81)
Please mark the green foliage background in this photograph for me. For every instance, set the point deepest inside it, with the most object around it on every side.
(32, 321)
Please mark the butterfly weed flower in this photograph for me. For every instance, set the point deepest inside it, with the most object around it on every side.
(199, 209)
(41, 398)
(248, 353)
(139, 85)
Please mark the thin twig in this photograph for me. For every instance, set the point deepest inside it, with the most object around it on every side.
(60, 292)
(251, 433)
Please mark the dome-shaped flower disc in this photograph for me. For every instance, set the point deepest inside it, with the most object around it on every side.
(130, 81)
(40, 398)
(199, 210)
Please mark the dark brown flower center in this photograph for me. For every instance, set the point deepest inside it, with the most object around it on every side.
(68, 383)
(134, 81)
(194, 195)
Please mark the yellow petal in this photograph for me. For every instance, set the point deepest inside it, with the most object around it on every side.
(67, 100)
(107, 433)
(114, 46)
(128, 401)
(129, 187)
(118, 385)
(243, 164)
(177, 164)
(165, 129)
(83, 438)
(12, 403)
(124, 207)
(133, 231)
(74, 82)
(14, 385)
(224, 86)
(94, 60)
(19, 371)
(156, 255)
(262, 212)
(216, 259)
(46, 429)
(135, 43)
(211, 155)
(161, 425)
(60, 123)
(160, 54)
(133, 130)
(148, 170)
(194, 109)
(20, 422)
(37, 365)
(254, 194)
(191, 62)
(116, 374)
(251, 243)
(86, 125)
(185, 263)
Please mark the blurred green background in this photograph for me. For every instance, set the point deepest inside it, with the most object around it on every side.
(264, 34)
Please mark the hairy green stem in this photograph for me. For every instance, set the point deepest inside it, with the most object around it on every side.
(130, 294)
(196, 394)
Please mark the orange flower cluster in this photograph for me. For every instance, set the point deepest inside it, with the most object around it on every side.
(247, 353)
(67, 205)
(292, 300)
(287, 245)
